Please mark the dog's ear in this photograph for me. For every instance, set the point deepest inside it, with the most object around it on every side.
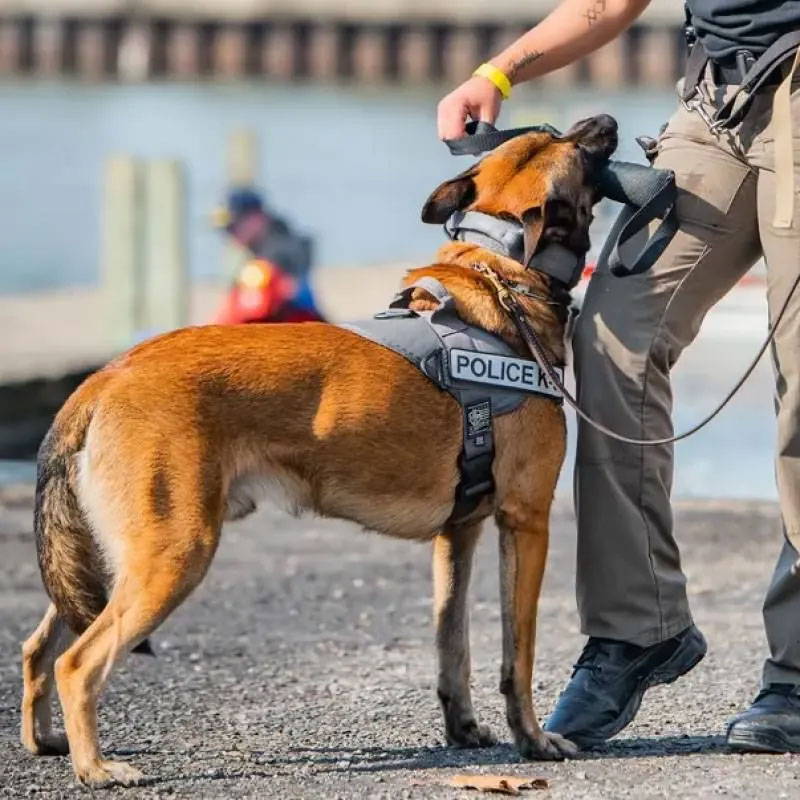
(533, 223)
(556, 218)
(453, 195)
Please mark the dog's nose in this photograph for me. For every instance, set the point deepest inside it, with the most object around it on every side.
(605, 124)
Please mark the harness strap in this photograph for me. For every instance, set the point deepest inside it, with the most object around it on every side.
(502, 236)
(506, 237)
(695, 66)
(784, 149)
(477, 448)
(430, 285)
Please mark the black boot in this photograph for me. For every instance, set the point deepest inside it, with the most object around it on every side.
(611, 677)
(771, 724)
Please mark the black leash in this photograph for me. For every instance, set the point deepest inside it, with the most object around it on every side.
(539, 353)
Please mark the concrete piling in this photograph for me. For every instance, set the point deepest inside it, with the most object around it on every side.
(135, 51)
(48, 47)
(121, 255)
(323, 52)
(90, 51)
(656, 57)
(462, 53)
(607, 66)
(229, 52)
(10, 47)
(183, 52)
(243, 158)
(278, 55)
(165, 278)
(370, 55)
(415, 55)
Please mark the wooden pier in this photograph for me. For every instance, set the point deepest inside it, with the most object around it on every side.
(96, 40)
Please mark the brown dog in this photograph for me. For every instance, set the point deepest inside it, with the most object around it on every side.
(151, 454)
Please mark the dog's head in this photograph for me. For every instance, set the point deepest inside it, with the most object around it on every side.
(545, 182)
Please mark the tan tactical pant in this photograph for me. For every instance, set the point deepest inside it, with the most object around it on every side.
(631, 332)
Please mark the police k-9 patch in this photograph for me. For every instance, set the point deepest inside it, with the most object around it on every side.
(504, 371)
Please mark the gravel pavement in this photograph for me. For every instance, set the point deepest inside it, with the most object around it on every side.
(303, 668)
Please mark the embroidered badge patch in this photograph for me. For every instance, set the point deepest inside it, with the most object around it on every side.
(479, 418)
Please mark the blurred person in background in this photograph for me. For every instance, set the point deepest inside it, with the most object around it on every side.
(737, 204)
(272, 285)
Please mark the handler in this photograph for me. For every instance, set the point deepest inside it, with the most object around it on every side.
(738, 202)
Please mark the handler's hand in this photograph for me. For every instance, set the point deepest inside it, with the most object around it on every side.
(476, 99)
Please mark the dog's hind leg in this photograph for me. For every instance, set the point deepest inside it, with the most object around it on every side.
(157, 575)
(452, 564)
(39, 654)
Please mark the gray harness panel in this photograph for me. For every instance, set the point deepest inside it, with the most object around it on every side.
(427, 339)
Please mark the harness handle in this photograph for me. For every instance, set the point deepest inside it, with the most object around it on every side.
(483, 136)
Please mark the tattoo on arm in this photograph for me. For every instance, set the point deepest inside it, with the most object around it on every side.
(595, 12)
(525, 60)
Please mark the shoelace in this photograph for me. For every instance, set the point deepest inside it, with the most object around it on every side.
(591, 651)
(781, 689)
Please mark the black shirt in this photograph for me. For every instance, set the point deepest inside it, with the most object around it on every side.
(724, 26)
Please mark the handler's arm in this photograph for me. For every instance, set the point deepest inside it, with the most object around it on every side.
(573, 29)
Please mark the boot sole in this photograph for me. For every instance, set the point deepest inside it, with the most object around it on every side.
(761, 741)
(681, 662)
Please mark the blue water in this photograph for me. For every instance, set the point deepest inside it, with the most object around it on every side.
(17, 472)
(352, 166)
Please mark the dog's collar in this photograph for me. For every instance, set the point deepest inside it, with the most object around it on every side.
(505, 237)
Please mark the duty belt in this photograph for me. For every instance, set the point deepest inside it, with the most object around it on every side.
(762, 72)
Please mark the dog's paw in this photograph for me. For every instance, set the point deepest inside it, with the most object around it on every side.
(106, 773)
(472, 735)
(546, 746)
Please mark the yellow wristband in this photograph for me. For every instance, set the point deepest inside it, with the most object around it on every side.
(497, 77)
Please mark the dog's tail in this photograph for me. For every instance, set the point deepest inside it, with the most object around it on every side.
(73, 572)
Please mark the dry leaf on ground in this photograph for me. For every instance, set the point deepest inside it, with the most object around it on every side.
(502, 784)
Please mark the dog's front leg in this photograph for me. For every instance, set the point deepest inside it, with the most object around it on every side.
(452, 565)
(523, 550)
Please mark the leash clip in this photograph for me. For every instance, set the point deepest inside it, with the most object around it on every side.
(503, 292)
(695, 105)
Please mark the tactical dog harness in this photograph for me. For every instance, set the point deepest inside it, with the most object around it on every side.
(484, 375)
